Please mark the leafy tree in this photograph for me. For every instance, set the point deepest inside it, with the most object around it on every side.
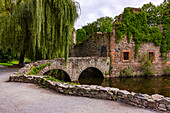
(80, 35)
(38, 29)
(151, 13)
(103, 24)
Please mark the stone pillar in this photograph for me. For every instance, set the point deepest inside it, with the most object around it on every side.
(112, 50)
(74, 36)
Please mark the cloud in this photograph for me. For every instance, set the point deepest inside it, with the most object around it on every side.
(91, 10)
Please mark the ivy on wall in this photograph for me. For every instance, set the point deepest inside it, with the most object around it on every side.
(135, 23)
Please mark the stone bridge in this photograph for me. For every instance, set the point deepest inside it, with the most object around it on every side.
(75, 66)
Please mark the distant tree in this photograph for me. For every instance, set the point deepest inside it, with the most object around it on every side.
(103, 24)
(157, 15)
(80, 35)
(151, 13)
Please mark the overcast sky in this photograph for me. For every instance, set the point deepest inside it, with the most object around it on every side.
(91, 10)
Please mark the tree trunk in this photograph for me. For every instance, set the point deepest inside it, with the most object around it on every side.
(21, 59)
(25, 46)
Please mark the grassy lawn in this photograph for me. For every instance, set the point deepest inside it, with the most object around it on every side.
(9, 63)
(14, 62)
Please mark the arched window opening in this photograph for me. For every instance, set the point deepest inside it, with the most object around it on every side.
(103, 51)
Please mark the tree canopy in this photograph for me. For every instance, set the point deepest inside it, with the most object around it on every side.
(160, 15)
(103, 24)
(80, 35)
(38, 29)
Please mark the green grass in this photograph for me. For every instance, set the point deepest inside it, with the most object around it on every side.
(14, 62)
(9, 63)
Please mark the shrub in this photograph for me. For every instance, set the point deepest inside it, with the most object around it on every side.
(167, 70)
(126, 72)
(147, 68)
(37, 69)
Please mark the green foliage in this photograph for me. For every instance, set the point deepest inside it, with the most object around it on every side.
(38, 29)
(151, 13)
(51, 78)
(167, 70)
(80, 35)
(135, 23)
(103, 24)
(9, 63)
(126, 72)
(56, 80)
(37, 69)
(157, 15)
(147, 66)
(5, 56)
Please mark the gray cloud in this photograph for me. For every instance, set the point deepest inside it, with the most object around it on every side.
(93, 9)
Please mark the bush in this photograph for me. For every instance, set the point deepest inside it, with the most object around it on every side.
(167, 71)
(5, 56)
(148, 68)
(126, 72)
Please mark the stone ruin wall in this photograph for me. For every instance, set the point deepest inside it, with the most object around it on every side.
(92, 46)
(135, 64)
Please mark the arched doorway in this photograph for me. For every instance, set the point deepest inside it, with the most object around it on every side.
(103, 51)
(59, 74)
(91, 76)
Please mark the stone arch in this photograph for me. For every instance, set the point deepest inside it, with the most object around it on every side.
(59, 74)
(91, 75)
(94, 68)
(46, 69)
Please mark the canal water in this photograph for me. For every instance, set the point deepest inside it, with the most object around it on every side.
(145, 85)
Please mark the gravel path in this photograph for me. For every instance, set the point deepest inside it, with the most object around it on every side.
(30, 98)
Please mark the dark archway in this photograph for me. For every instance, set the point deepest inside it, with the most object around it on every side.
(91, 76)
(59, 74)
(103, 51)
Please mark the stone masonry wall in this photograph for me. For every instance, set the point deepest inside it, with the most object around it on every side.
(155, 102)
(92, 46)
(135, 64)
(74, 67)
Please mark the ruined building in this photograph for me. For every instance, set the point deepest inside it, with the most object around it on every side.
(122, 54)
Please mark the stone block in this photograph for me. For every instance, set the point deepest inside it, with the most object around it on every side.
(163, 101)
(168, 107)
(156, 96)
(114, 90)
(122, 92)
(152, 103)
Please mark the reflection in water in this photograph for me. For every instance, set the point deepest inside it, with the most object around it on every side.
(145, 85)
(91, 81)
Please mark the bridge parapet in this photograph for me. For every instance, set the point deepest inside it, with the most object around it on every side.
(75, 66)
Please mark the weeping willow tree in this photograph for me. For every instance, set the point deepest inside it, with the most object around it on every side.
(38, 29)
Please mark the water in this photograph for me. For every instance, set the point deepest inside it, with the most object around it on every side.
(145, 85)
